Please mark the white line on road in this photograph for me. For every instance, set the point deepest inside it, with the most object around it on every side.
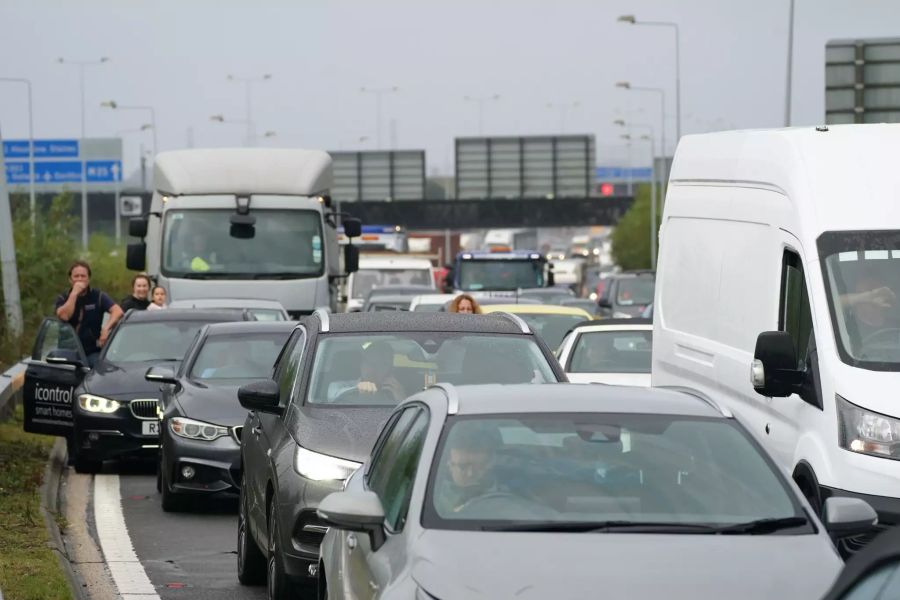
(127, 571)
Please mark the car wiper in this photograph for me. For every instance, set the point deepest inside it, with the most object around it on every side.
(763, 526)
(598, 526)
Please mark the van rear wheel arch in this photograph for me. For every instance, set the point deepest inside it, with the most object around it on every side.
(805, 478)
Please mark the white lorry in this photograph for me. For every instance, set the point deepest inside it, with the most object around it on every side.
(379, 270)
(778, 295)
(244, 223)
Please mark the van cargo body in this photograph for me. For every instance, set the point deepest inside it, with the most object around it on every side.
(794, 231)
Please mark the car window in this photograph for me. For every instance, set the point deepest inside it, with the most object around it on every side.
(394, 468)
(601, 467)
(796, 316)
(159, 340)
(289, 366)
(882, 584)
(551, 328)
(635, 290)
(56, 335)
(612, 352)
(239, 356)
(384, 369)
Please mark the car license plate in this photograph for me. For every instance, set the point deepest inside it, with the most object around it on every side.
(150, 427)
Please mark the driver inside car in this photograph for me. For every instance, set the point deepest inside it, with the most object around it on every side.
(375, 370)
(470, 464)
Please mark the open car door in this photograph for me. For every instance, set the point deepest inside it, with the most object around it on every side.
(56, 367)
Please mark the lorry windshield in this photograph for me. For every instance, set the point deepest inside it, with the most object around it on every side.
(862, 277)
(285, 244)
(476, 275)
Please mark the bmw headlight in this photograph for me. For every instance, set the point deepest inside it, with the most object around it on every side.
(196, 430)
(321, 467)
(866, 432)
(97, 404)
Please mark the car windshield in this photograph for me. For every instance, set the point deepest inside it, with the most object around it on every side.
(365, 280)
(238, 356)
(612, 352)
(159, 340)
(267, 314)
(862, 277)
(384, 369)
(425, 307)
(285, 244)
(539, 469)
(635, 290)
(552, 328)
(475, 275)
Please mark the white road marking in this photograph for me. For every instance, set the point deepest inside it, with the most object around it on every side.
(127, 571)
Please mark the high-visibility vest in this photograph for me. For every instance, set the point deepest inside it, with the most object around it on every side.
(198, 264)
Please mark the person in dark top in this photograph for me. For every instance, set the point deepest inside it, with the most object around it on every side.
(83, 307)
(140, 294)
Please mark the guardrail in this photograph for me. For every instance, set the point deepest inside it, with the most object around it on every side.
(11, 389)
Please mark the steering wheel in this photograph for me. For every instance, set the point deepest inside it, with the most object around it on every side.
(880, 333)
(502, 500)
(354, 396)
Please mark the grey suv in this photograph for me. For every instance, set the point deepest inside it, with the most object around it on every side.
(335, 382)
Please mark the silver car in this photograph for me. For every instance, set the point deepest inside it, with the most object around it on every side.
(574, 491)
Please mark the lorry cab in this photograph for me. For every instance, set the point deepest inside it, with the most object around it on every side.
(500, 273)
(778, 292)
(244, 223)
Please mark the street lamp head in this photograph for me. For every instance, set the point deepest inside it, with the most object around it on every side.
(645, 137)
(217, 118)
(627, 19)
(625, 136)
(146, 126)
(619, 122)
(270, 133)
(395, 89)
(363, 138)
(624, 85)
(229, 77)
(60, 60)
(109, 104)
(104, 59)
(267, 76)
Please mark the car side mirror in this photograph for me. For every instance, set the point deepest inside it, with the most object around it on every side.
(846, 517)
(137, 227)
(351, 258)
(65, 357)
(136, 256)
(161, 374)
(355, 511)
(603, 302)
(260, 395)
(352, 227)
(774, 370)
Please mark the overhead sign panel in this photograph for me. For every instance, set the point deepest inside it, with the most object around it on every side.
(42, 149)
(862, 81)
(525, 167)
(59, 162)
(378, 175)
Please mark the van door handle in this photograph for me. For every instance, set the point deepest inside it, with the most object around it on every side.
(351, 542)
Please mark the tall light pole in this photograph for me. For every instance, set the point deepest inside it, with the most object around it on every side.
(248, 84)
(31, 200)
(664, 174)
(116, 106)
(632, 20)
(479, 102)
(790, 65)
(82, 65)
(563, 108)
(378, 93)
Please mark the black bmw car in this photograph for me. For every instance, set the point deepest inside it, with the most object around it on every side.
(201, 417)
(109, 411)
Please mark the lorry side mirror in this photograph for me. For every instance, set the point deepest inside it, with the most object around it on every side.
(352, 227)
(137, 227)
(136, 256)
(351, 258)
(774, 370)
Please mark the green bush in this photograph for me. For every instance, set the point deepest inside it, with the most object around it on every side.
(43, 255)
(631, 237)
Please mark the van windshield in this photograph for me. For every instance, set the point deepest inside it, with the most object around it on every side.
(862, 279)
(285, 244)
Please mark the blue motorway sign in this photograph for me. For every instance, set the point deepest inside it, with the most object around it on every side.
(101, 171)
(64, 171)
(639, 173)
(42, 149)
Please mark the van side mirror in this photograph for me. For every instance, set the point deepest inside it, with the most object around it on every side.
(260, 395)
(351, 258)
(774, 371)
(352, 227)
(136, 256)
(137, 227)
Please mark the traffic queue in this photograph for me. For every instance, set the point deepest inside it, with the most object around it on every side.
(480, 428)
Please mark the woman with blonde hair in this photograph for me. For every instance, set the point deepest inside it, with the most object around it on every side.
(464, 304)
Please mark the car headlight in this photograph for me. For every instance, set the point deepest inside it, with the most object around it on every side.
(196, 430)
(321, 467)
(866, 432)
(97, 404)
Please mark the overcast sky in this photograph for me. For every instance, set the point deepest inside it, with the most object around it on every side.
(175, 55)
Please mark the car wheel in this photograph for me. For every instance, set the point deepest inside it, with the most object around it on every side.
(276, 580)
(250, 560)
(171, 502)
(87, 465)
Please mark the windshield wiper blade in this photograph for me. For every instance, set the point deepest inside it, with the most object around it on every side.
(280, 275)
(597, 526)
(763, 526)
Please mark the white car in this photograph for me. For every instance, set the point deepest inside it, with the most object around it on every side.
(613, 351)
(430, 302)
(262, 310)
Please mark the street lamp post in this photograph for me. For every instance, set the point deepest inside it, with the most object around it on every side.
(248, 83)
(790, 67)
(479, 102)
(116, 106)
(631, 20)
(563, 108)
(31, 199)
(82, 65)
(378, 92)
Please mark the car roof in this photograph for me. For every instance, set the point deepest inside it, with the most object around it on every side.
(250, 327)
(538, 309)
(387, 262)
(182, 314)
(569, 398)
(420, 321)
(553, 290)
(433, 298)
(226, 303)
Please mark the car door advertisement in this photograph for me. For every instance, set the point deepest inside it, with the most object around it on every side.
(48, 401)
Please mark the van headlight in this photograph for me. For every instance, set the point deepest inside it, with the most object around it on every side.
(98, 404)
(321, 467)
(866, 432)
(196, 430)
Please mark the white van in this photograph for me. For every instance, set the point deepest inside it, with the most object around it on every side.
(381, 270)
(778, 292)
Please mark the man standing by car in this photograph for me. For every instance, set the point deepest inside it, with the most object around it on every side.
(83, 307)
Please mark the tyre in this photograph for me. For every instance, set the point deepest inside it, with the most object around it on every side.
(86, 465)
(171, 502)
(251, 564)
(276, 579)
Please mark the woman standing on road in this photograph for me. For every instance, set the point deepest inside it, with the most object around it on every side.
(140, 294)
(465, 304)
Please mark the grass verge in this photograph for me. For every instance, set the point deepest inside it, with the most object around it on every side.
(29, 568)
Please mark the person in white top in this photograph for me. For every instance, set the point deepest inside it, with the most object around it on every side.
(158, 298)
